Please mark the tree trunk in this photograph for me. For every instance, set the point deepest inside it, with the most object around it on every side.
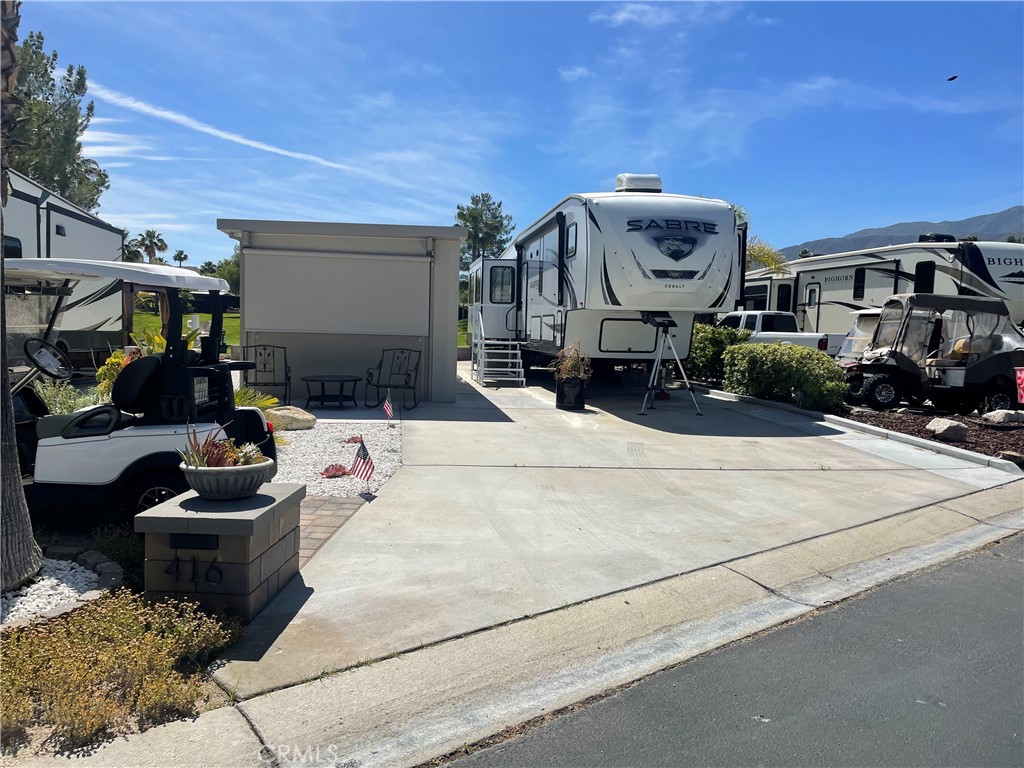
(20, 556)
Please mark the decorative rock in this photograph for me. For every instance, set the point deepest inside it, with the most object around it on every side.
(108, 566)
(290, 417)
(62, 552)
(947, 430)
(91, 559)
(1004, 417)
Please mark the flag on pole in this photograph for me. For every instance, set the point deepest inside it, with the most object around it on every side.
(387, 406)
(362, 467)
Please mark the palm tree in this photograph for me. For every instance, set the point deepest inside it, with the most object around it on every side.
(760, 255)
(207, 268)
(131, 250)
(20, 556)
(180, 256)
(152, 242)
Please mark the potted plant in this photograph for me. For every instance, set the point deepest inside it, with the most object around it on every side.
(218, 469)
(572, 372)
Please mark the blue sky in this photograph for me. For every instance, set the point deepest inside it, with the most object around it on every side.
(819, 118)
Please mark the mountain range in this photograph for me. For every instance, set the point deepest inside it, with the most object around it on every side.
(988, 226)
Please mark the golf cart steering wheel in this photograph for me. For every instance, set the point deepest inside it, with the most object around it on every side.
(48, 358)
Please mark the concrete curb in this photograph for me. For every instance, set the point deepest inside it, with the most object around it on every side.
(897, 437)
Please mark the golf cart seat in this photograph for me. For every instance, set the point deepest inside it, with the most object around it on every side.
(128, 395)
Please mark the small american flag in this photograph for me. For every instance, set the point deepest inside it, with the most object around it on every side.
(362, 467)
(387, 407)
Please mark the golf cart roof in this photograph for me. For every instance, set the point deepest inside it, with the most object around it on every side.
(943, 302)
(25, 271)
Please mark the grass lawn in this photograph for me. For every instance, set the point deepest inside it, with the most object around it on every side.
(151, 323)
(463, 334)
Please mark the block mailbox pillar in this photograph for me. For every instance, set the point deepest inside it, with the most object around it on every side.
(230, 555)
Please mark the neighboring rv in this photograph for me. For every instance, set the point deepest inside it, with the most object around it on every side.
(586, 270)
(823, 290)
(39, 224)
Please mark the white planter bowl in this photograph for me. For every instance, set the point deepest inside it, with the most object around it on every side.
(223, 483)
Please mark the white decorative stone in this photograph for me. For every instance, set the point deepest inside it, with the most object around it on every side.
(290, 417)
(947, 430)
(1004, 417)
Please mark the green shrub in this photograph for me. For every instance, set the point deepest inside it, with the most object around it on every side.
(63, 397)
(707, 346)
(103, 668)
(786, 373)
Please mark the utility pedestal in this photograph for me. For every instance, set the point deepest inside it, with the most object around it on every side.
(226, 555)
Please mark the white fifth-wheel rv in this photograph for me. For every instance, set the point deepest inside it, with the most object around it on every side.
(588, 271)
(39, 224)
(823, 291)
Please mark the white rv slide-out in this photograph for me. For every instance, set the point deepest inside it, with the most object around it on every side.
(585, 271)
(39, 224)
(823, 291)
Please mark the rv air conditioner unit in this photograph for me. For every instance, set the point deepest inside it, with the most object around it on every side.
(638, 182)
(935, 238)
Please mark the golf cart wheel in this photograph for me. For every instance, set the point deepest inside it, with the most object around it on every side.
(1000, 399)
(855, 388)
(882, 392)
(152, 488)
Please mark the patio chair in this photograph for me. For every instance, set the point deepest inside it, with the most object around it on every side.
(272, 369)
(397, 370)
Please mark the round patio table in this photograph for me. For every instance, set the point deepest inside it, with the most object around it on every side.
(325, 398)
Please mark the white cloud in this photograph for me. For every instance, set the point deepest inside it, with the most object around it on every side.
(761, 21)
(571, 74)
(135, 105)
(644, 14)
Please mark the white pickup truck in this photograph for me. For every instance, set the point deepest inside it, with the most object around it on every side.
(770, 327)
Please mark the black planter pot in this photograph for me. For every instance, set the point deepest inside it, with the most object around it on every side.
(570, 394)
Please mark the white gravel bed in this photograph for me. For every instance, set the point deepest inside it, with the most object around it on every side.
(310, 451)
(60, 582)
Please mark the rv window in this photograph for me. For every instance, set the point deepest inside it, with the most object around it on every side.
(924, 277)
(501, 284)
(858, 283)
(755, 297)
(570, 241)
(61, 231)
(750, 323)
(12, 247)
(784, 298)
(812, 298)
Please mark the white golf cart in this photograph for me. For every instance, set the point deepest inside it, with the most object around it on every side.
(119, 458)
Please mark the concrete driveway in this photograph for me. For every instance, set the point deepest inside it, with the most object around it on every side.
(506, 507)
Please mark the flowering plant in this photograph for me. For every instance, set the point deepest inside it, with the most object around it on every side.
(211, 452)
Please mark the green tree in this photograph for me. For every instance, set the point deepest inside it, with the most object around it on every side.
(228, 269)
(151, 243)
(971, 238)
(131, 250)
(760, 255)
(804, 253)
(20, 556)
(180, 256)
(207, 268)
(488, 228)
(47, 144)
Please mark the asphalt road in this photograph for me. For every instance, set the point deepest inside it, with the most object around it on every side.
(926, 671)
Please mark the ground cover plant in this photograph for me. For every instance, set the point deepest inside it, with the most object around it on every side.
(112, 666)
